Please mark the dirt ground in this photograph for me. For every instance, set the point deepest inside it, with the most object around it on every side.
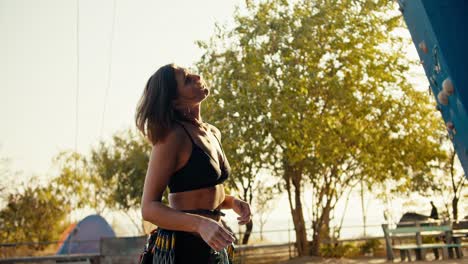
(314, 260)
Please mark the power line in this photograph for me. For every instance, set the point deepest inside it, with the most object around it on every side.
(77, 86)
(109, 69)
(77, 73)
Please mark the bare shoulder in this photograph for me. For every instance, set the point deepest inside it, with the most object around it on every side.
(162, 164)
(215, 131)
(173, 140)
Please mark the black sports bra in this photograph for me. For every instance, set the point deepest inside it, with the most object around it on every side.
(200, 171)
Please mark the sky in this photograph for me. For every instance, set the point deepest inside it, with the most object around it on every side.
(40, 81)
(43, 91)
(38, 68)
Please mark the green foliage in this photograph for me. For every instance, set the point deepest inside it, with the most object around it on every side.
(339, 250)
(4, 172)
(447, 183)
(75, 185)
(111, 176)
(32, 215)
(313, 79)
(121, 165)
(318, 89)
(370, 246)
(350, 249)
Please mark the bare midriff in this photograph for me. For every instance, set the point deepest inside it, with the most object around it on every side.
(207, 198)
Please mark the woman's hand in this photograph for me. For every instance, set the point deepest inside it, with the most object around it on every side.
(243, 210)
(214, 234)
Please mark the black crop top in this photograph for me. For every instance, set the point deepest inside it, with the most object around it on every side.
(200, 171)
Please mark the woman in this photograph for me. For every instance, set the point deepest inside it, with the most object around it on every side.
(187, 157)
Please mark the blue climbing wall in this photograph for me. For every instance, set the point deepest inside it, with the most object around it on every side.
(439, 29)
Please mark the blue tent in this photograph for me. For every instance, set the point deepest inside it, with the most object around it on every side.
(85, 236)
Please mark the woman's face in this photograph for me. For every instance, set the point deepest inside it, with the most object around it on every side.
(191, 89)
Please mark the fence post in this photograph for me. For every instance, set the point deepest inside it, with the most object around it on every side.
(289, 238)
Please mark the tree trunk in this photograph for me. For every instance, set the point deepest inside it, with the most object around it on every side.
(455, 208)
(261, 231)
(321, 229)
(293, 177)
(364, 216)
(248, 232)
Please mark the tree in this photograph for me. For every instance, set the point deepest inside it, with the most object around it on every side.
(446, 181)
(77, 185)
(4, 174)
(325, 96)
(8, 179)
(110, 177)
(34, 215)
(246, 144)
(121, 166)
(263, 203)
(457, 183)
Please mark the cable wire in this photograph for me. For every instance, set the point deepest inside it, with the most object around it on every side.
(109, 69)
(77, 73)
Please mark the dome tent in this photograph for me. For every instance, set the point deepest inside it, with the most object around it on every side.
(85, 236)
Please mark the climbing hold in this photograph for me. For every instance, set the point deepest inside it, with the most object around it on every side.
(433, 81)
(443, 98)
(437, 67)
(451, 128)
(422, 46)
(450, 125)
(447, 86)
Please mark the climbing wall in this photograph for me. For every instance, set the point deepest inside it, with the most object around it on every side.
(439, 30)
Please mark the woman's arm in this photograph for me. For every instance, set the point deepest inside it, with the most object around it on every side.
(227, 203)
(240, 207)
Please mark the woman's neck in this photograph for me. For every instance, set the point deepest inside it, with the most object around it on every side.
(192, 114)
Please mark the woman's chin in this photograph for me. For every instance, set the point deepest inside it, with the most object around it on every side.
(204, 94)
